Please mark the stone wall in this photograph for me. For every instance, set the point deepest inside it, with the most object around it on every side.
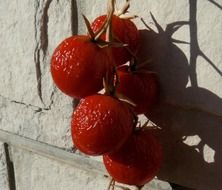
(31, 107)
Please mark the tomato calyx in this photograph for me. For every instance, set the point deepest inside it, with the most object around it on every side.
(123, 13)
(106, 27)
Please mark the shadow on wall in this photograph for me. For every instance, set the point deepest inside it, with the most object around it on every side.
(185, 111)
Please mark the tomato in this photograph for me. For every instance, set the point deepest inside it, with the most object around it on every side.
(126, 32)
(140, 87)
(78, 66)
(137, 161)
(101, 124)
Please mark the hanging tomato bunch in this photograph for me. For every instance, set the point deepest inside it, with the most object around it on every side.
(107, 123)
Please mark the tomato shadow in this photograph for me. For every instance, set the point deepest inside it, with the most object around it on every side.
(183, 112)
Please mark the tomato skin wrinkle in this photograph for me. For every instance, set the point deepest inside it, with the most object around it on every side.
(101, 124)
(137, 161)
(126, 32)
(78, 66)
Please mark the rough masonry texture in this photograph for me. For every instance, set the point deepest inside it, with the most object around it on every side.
(186, 49)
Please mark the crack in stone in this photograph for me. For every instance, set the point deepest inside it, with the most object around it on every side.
(35, 108)
(44, 28)
(51, 98)
(41, 37)
(38, 72)
(74, 17)
(42, 18)
(37, 54)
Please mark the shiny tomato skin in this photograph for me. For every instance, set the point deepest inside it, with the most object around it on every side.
(137, 161)
(100, 124)
(78, 66)
(142, 88)
(126, 31)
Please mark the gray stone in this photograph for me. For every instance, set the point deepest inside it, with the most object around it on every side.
(38, 173)
(50, 126)
(30, 31)
(30, 103)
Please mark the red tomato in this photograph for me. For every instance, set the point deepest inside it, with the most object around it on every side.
(101, 124)
(78, 66)
(126, 31)
(137, 161)
(141, 88)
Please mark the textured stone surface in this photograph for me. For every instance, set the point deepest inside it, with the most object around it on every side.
(29, 37)
(36, 123)
(190, 112)
(30, 105)
(38, 173)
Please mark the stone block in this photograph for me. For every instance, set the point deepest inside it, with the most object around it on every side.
(39, 173)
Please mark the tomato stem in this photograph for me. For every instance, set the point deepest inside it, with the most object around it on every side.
(124, 9)
(108, 82)
(108, 21)
(110, 12)
(111, 185)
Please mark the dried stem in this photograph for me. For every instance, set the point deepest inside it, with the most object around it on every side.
(91, 33)
(108, 21)
(124, 9)
(110, 10)
(111, 184)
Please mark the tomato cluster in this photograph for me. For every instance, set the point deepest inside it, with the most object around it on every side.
(106, 124)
